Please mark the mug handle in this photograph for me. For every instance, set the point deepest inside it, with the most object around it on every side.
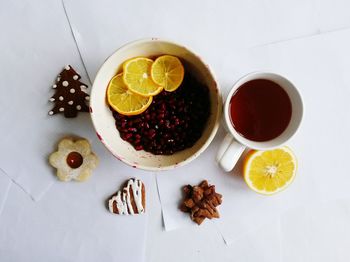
(229, 153)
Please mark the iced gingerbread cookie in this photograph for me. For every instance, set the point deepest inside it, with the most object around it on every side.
(70, 97)
(73, 160)
(131, 200)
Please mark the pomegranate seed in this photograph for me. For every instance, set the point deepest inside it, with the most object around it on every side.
(162, 107)
(128, 136)
(138, 147)
(173, 122)
(160, 116)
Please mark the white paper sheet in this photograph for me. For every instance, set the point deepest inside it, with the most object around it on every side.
(240, 207)
(219, 32)
(5, 184)
(213, 29)
(205, 244)
(321, 144)
(263, 244)
(36, 44)
(317, 233)
(331, 14)
(319, 68)
(72, 222)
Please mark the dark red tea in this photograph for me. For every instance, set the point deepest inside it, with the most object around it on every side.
(260, 110)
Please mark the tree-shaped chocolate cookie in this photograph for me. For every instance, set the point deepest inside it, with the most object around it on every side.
(69, 98)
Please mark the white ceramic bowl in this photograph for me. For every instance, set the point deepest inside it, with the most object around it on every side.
(104, 122)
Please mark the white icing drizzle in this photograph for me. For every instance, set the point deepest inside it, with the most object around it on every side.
(65, 83)
(123, 199)
(67, 67)
(52, 99)
(75, 77)
(70, 102)
(61, 109)
(78, 107)
(72, 90)
(61, 98)
(121, 204)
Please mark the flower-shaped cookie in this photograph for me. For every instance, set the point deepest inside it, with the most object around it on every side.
(73, 160)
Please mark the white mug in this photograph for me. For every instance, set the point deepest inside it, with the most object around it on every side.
(234, 144)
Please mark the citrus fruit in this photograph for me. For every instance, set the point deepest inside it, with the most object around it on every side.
(137, 77)
(124, 101)
(168, 71)
(268, 172)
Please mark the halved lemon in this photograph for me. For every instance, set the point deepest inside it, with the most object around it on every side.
(124, 101)
(137, 77)
(168, 71)
(268, 172)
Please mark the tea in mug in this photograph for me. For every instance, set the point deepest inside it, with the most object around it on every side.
(260, 110)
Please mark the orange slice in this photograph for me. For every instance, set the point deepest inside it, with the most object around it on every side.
(137, 77)
(168, 71)
(124, 101)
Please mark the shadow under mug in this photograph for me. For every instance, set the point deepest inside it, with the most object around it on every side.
(234, 144)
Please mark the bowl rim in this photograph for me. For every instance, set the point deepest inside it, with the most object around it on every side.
(217, 117)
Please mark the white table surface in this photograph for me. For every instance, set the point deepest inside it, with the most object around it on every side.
(319, 233)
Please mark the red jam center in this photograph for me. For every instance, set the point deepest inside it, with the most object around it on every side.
(74, 159)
